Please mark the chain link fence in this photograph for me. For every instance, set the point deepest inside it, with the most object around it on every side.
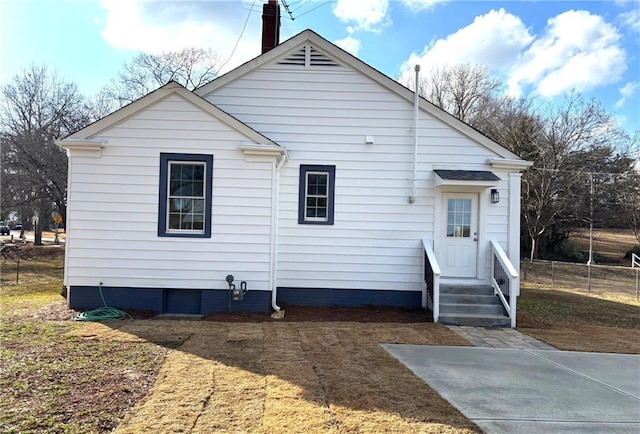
(599, 279)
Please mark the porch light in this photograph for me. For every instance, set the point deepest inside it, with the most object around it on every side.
(495, 195)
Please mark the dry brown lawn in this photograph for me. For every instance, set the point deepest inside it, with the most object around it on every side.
(576, 320)
(330, 377)
(610, 243)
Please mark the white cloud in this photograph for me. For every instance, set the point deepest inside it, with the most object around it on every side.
(157, 26)
(627, 91)
(370, 15)
(577, 51)
(631, 19)
(350, 44)
(495, 39)
(421, 5)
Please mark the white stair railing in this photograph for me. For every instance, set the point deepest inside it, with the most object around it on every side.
(432, 278)
(505, 280)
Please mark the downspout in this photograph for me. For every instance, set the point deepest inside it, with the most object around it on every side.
(275, 207)
(67, 238)
(416, 105)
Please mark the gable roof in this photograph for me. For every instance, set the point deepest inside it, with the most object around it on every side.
(290, 46)
(171, 88)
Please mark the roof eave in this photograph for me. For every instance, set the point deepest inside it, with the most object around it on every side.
(82, 145)
(366, 69)
(509, 164)
(156, 96)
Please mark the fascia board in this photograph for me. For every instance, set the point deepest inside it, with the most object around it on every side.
(123, 113)
(227, 118)
(155, 97)
(407, 94)
(461, 182)
(309, 36)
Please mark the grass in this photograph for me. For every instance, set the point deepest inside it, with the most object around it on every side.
(610, 244)
(319, 370)
(212, 376)
(557, 307)
(576, 320)
(31, 283)
(289, 377)
(51, 380)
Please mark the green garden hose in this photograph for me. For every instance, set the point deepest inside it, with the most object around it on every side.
(104, 313)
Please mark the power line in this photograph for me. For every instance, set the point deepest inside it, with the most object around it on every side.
(313, 9)
(244, 27)
(583, 172)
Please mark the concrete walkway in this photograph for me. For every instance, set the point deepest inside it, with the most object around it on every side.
(508, 390)
(499, 338)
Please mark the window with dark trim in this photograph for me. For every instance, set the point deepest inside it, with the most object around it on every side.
(184, 204)
(316, 194)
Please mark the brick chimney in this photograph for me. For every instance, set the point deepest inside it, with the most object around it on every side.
(270, 25)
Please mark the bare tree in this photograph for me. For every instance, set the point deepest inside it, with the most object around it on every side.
(191, 67)
(567, 142)
(628, 193)
(36, 108)
(463, 90)
(551, 188)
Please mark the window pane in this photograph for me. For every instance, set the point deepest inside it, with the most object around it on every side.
(316, 196)
(459, 218)
(174, 186)
(186, 196)
(174, 220)
(450, 205)
(198, 188)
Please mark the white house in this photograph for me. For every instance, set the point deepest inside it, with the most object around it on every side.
(306, 174)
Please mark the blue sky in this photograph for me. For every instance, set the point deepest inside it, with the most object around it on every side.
(545, 48)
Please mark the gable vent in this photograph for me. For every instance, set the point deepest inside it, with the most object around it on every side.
(316, 58)
(297, 58)
(308, 57)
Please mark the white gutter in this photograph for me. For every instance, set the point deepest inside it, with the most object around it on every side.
(416, 105)
(275, 202)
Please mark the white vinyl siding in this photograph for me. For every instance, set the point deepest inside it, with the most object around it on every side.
(322, 115)
(113, 211)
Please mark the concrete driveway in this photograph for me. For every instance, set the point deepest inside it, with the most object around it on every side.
(532, 391)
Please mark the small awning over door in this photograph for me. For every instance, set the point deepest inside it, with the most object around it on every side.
(480, 178)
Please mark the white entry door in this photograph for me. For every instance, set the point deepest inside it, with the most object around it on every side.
(458, 247)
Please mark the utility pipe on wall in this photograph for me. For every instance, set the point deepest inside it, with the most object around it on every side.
(274, 227)
(416, 106)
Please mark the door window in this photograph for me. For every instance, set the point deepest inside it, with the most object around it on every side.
(459, 218)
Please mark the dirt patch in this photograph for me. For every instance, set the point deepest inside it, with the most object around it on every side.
(31, 252)
(368, 314)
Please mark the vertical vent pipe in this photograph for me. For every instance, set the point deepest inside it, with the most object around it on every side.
(416, 105)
